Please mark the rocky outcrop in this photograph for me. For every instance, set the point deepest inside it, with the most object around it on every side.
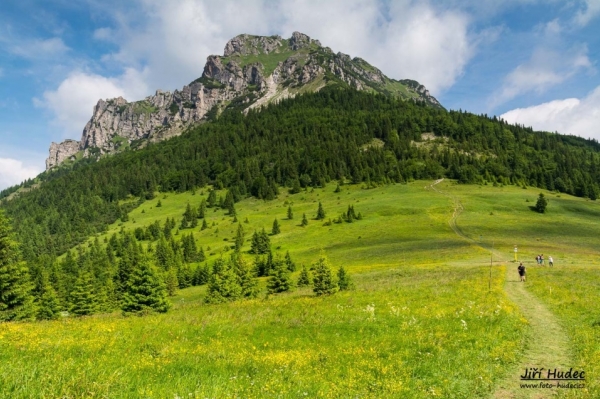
(61, 152)
(238, 79)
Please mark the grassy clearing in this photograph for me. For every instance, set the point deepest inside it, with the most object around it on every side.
(421, 322)
(402, 333)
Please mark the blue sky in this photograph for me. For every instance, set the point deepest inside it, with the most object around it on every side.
(531, 62)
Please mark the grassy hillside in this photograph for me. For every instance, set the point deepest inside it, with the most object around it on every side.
(422, 321)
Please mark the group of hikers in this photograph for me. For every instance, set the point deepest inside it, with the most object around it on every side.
(539, 260)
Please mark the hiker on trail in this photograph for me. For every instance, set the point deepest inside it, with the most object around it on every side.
(521, 270)
(542, 260)
(550, 261)
(537, 259)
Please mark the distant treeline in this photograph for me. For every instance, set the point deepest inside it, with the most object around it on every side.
(306, 141)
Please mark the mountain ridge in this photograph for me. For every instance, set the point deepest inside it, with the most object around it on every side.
(253, 71)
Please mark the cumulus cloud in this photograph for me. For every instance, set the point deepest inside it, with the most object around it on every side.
(580, 117)
(546, 68)
(591, 9)
(73, 101)
(14, 172)
(167, 48)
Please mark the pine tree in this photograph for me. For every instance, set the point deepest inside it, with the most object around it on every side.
(320, 212)
(83, 297)
(344, 280)
(239, 238)
(304, 220)
(171, 282)
(541, 204)
(16, 299)
(247, 280)
(290, 213)
(276, 229)
(48, 302)
(337, 189)
(202, 209)
(202, 275)
(224, 285)
(158, 204)
(289, 263)
(304, 278)
(204, 225)
(145, 291)
(323, 283)
(212, 199)
(280, 279)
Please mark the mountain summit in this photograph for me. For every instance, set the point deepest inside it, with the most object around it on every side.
(253, 71)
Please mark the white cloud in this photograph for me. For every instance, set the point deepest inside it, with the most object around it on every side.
(39, 48)
(580, 117)
(590, 11)
(103, 34)
(545, 69)
(73, 101)
(14, 172)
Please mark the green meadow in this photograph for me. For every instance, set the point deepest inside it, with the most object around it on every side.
(428, 317)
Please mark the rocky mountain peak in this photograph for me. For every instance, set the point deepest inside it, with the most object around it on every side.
(252, 45)
(254, 71)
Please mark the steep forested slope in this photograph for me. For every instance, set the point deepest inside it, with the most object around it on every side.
(305, 141)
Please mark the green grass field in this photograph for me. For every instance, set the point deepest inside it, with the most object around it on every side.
(425, 319)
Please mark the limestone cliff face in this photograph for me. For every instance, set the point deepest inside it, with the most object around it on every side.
(253, 71)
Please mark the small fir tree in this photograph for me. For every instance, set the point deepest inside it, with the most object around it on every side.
(145, 292)
(171, 282)
(276, 229)
(280, 279)
(320, 212)
(290, 213)
(323, 282)
(224, 285)
(344, 280)
(247, 279)
(83, 297)
(48, 302)
(239, 238)
(204, 225)
(289, 263)
(304, 220)
(304, 278)
(541, 204)
(158, 204)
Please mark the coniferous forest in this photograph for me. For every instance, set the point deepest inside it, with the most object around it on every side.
(335, 134)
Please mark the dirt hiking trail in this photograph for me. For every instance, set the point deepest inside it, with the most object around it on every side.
(546, 344)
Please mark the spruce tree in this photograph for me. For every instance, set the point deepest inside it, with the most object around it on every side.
(212, 199)
(83, 297)
(16, 299)
(280, 279)
(145, 291)
(320, 212)
(224, 285)
(276, 229)
(541, 204)
(304, 220)
(344, 280)
(289, 263)
(239, 238)
(323, 282)
(171, 282)
(246, 277)
(290, 213)
(304, 278)
(204, 225)
(48, 307)
(202, 209)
